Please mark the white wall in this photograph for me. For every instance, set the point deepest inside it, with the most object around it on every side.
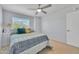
(0, 25)
(54, 25)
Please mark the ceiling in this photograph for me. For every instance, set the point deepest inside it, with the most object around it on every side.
(24, 8)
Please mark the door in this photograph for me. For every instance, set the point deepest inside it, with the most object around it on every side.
(0, 25)
(73, 28)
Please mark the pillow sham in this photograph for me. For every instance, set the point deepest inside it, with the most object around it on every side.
(28, 30)
(21, 30)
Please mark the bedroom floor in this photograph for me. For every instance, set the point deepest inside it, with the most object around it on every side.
(58, 48)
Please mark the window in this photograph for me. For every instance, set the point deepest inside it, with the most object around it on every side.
(18, 22)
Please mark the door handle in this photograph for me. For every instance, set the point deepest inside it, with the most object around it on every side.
(68, 30)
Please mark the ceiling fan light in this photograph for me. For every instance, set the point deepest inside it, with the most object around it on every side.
(38, 10)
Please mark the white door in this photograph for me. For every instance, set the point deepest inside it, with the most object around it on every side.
(73, 28)
(0, 25)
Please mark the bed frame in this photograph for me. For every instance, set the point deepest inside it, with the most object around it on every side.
(36, 48)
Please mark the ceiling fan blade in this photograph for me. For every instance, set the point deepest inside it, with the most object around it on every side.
(47, 6)
(31, 9)
(44, 12)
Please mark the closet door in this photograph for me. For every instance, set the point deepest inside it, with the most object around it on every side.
(0, 25)
(73, 28)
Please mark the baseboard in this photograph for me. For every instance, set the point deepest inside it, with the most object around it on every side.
(55, 39)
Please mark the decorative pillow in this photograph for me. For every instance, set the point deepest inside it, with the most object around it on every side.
(21, 30)
(28, 30)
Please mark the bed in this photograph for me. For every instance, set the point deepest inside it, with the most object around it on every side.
(30, 43)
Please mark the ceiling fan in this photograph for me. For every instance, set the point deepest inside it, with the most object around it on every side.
(41, 9)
